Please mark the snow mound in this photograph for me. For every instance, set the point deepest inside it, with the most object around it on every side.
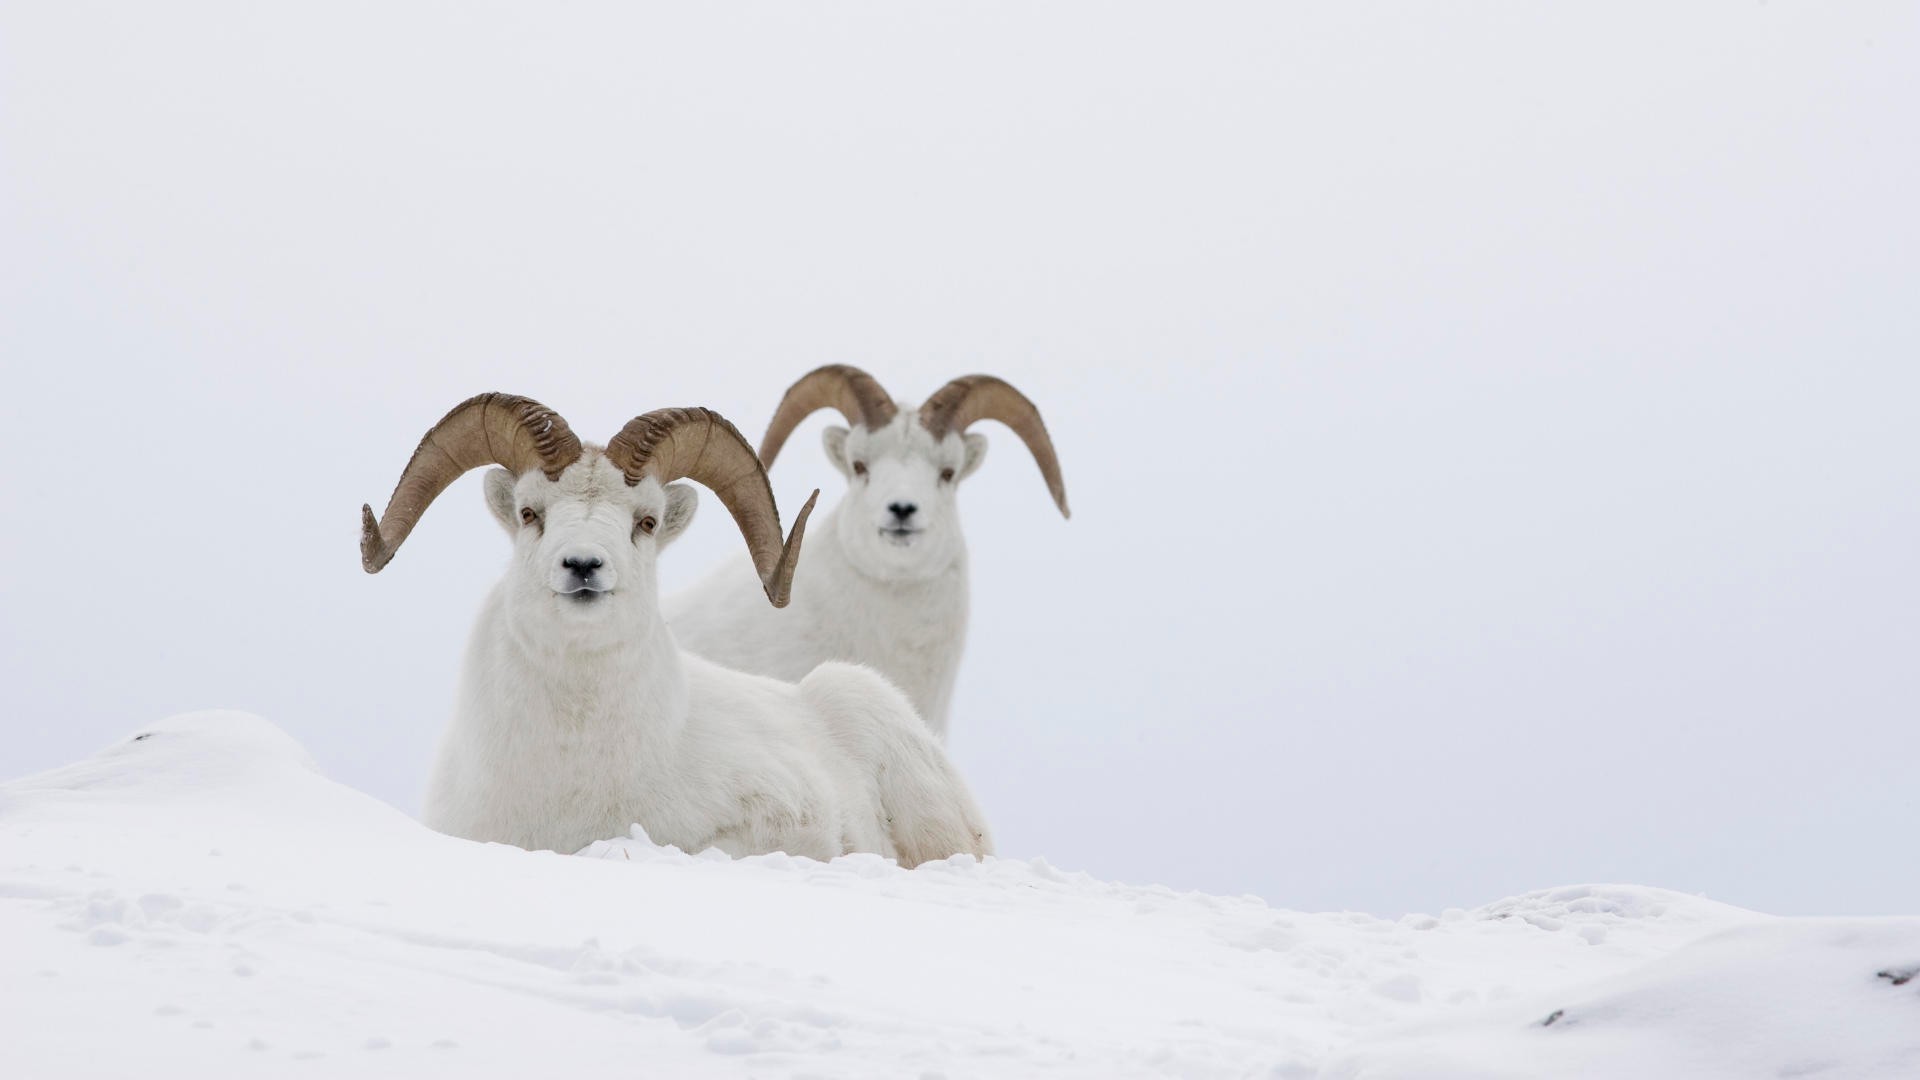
(201, 891)
(1592, 911)
(220, 748)
(1784, 998)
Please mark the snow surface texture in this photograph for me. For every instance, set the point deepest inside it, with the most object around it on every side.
(197, 900)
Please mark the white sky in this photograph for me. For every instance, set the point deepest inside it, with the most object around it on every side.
(1491, 433)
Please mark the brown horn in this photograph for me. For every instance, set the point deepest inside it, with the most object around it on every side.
(517, 433)
(983, 397)
(858, 395)
(700, 445)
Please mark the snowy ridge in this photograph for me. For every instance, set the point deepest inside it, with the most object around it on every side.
(200, 891)
(1783, 998)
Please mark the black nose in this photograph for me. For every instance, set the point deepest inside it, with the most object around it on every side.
(902, 510)
(582, 568)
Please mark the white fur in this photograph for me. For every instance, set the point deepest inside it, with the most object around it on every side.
(895, 603)
(579, 718)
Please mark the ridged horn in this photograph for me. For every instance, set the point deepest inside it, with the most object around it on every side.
(516, 433)
(700, 445)
(970, 398)
(858, 395)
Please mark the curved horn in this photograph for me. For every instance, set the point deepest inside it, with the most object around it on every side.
(700, 445)
(858, 395)
(983, 397)
(517, 433)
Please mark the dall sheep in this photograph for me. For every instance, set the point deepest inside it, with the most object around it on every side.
(578, 716)
(886, 582)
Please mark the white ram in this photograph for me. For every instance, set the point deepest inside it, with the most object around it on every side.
(578, 716)
(886, 582)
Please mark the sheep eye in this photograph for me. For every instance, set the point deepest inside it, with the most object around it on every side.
(527, 516)
(646, 525)
(946, 476)
(859, 468)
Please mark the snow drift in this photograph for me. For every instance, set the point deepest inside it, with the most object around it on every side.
(199, 900)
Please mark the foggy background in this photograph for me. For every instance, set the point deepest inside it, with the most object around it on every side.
(1491, 433)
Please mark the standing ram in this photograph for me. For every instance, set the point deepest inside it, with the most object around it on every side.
(578, 716)
(886, 581)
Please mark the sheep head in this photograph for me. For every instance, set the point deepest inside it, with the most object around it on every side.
(588, 522)
(904, 467)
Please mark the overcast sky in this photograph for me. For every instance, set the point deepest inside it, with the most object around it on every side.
(1491, 432)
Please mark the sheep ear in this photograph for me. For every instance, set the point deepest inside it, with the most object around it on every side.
(500, 484)
(835, 440)
(976, 454)
(681, 503)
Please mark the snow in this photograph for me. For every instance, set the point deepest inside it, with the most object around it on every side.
(198, 899)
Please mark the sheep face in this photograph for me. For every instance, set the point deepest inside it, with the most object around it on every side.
(900, 518)
(585, 546)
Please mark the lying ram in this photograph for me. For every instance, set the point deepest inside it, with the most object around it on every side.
(578, 716)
